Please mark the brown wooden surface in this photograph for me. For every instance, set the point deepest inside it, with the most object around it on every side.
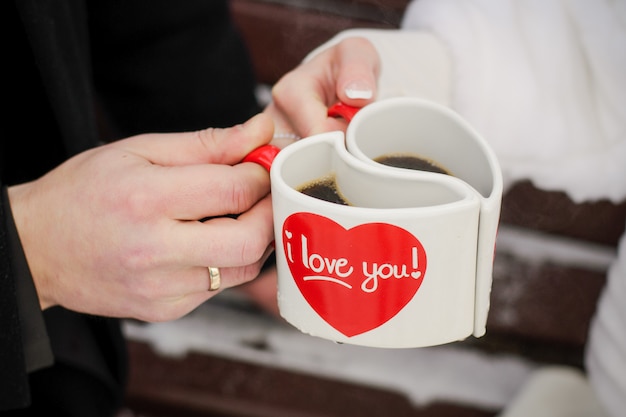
(547, 303)
(204, 385)
(554, 212)
(280, 33)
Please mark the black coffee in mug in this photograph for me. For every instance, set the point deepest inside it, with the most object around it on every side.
(409, 161)
(324, 188)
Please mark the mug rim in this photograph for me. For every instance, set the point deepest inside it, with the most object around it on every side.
(403, 102)
(467, 196)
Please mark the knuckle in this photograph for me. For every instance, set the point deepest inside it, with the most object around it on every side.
(282, 90)
(138, 259)
(141, 284)
(244, 274)
(239, 196)
(252, 250)
(207, 137)
(138, 202)
(142, 289)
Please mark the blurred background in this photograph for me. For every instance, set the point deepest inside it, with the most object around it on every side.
(229, 358)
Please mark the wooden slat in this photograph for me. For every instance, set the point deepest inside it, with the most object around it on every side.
(554, 212)
(204, 385)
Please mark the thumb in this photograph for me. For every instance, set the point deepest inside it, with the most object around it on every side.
(357, 70)
(226, 146)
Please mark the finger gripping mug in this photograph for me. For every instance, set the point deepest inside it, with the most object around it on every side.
(404, 257)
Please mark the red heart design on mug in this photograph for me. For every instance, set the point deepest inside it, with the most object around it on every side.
(356, 279)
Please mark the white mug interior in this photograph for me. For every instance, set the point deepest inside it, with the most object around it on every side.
(418, 127)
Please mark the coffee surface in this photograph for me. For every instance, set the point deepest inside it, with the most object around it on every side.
(411, 162)
(324, 189)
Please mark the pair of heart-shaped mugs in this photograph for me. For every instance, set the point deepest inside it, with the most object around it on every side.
(408, 262)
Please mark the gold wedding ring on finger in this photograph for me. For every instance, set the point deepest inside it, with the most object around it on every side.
(215, 279)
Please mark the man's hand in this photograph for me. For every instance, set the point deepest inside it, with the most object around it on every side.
(116, 230)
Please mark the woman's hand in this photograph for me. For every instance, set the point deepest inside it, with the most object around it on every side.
(346, 72)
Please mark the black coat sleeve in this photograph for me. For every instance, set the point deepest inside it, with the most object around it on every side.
(164, 66)
(146, 66)
(24, 344)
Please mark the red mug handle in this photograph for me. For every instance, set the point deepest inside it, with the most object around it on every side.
(342, 110)
(263, 155)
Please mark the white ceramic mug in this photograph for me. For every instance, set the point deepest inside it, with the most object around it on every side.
(408, 263)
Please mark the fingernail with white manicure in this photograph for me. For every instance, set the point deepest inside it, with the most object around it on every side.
(358, 90)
